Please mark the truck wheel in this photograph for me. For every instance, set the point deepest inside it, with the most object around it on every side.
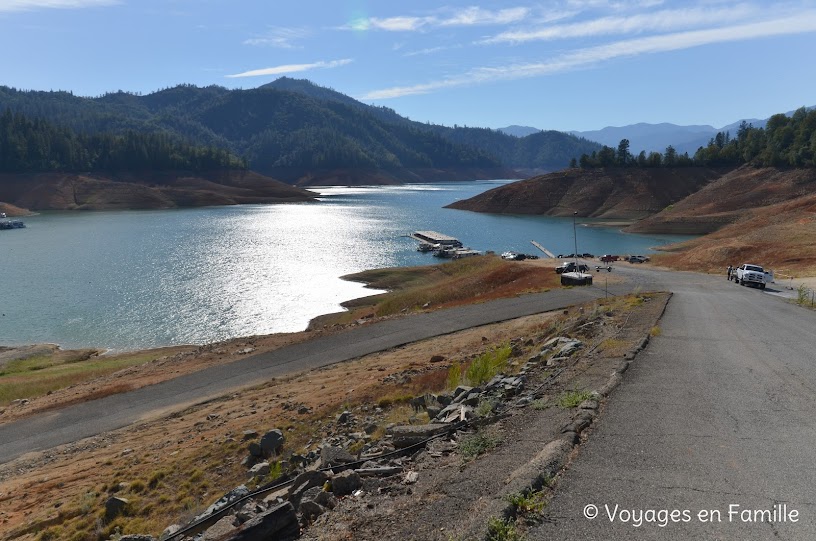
(761, 286)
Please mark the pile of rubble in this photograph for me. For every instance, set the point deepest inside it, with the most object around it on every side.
(312, 483)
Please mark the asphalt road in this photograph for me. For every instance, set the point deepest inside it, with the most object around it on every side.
(716, 417)
(45, 431)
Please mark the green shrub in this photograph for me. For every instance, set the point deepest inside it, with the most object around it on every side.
(477, 444)
(454, 376)
(572, 399)
(527, 504)
(487, 365)
(502, 530)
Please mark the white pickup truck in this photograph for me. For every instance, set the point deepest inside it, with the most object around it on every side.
(748, 274)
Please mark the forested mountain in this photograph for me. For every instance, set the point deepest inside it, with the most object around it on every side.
(290, 127)
(786, 140)
(656, 137)
(38, 146)
(518, 131)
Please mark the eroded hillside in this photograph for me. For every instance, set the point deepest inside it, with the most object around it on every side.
(610, 193)
(66, 191)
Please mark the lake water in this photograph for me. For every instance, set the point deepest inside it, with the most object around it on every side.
(137, 279)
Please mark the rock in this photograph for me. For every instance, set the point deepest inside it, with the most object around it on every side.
(460, 390)
(444, 400)
(120, 487)
(569, 348)
(312, 493)
(471, 400)
(537, 473)
(410, 478)
(326, 499)
(407, 435)
(494, 381)
(344, 417)
(114, 506)
(344, 483)
(250, 434)
(418, 403)
(221, 528)
(335, 456)
(260, 470)
(170, 530)
(371, 428)
(278, 522)
(588, 405)
(310, 510)
(433, 411)
(248, 512)
(303, 410)
(304, 482)
(271, 442)
(438, 358)
(137, 537)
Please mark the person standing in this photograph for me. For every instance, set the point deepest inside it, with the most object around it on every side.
(730, 270)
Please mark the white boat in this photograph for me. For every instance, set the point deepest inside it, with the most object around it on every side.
(6, 223)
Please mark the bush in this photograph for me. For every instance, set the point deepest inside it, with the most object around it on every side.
(572, 399)
(502, 530)
(454, 375)
(487, 365)
(477, 444)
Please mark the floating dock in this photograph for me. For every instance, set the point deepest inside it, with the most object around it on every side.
(432, 237)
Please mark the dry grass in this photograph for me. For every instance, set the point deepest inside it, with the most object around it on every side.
(466, 280)
(776, 231)
(37, 376)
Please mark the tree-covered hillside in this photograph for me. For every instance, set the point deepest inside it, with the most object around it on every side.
(784, 141)
(37, 145)
(293, 125)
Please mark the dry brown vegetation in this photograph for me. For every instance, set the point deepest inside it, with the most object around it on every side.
(475, 279)
(171, 468)
(612, 193)
(174, 467)
(766, 216)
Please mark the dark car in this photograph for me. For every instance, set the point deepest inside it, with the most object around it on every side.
(570, 266)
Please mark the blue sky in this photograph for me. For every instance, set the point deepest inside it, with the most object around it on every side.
(560, 64)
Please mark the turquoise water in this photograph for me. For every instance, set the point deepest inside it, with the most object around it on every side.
(135, 279)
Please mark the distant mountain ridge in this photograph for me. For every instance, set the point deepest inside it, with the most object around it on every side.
(656, 137)
(300, 132)
(519, 131)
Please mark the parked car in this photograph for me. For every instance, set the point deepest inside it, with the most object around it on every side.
(570, 266)
(608, 258)
(637, 259)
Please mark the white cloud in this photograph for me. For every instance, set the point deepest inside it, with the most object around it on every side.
(293, 68)
(801, 23)
(396, 24)
(26, 5)
(431, 50)
(664, 20)
(281, 38)
(477, 16)
(468, 16)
